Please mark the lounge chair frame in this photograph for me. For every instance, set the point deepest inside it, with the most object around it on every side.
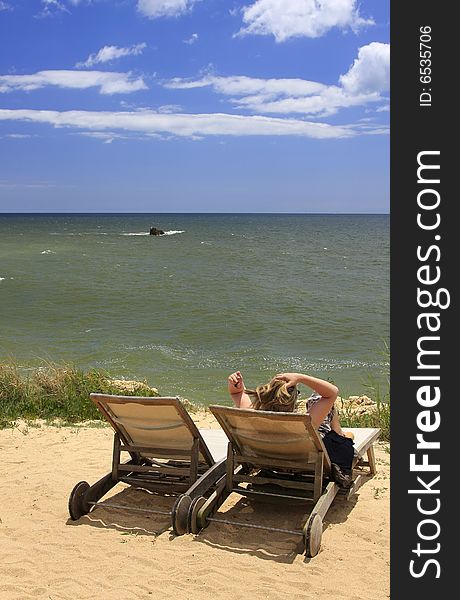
(307, 481)
(177, 472)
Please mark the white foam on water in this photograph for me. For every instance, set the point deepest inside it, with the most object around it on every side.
(141, 233)
(2, 278)
(81, 233)
(172, 232)
(48, 252)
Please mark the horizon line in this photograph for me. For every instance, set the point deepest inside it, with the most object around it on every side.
(189, 213)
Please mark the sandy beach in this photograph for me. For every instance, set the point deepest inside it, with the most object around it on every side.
(114, 554)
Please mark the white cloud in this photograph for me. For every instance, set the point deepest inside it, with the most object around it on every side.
(18, 136)
(107, 82)
(170, 108)
(164, 8)
(52, 7)
(326, 103)
(192, 39)
(5, 6)
(286, 19)
(370, 72)
(192, 126)
(242, 85)
(364, 83)
(111, 53)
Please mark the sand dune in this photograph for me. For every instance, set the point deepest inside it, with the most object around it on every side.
(114, 554)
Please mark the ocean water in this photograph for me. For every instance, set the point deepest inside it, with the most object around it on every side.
(259, 293)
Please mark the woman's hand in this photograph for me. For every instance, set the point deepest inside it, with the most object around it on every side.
(236, 388)
(235, 383)
(291, 379)
(328, 392)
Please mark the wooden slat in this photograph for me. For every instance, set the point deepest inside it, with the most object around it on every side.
(279, 463)
(371, 459)
(149, 469)
(245, 492)
(194, 461)
(318, 484)
(115, 456)
(230, 466)
(287, 483)
(156, 486)
(324, 502)
(156, 451)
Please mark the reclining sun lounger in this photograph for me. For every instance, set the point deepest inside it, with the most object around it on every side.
(274, 455)
(168, 455)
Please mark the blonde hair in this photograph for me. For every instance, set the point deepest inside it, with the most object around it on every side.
(274, 396)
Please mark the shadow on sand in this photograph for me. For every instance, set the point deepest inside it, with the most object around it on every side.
(269, 545)
(127, 520)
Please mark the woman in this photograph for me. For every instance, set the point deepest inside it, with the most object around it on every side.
(281, 394)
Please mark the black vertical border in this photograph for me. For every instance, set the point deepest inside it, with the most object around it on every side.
(414, 129)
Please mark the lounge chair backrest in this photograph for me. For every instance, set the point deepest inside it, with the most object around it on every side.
(272, 435)
(160, 424)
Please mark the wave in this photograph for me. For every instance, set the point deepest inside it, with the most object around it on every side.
(48, 252)
(80, 233)
(2, 278)
(141, 233)
(172, 232)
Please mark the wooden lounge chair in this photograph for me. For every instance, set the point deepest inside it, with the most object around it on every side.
(168, 455)
(275, 455)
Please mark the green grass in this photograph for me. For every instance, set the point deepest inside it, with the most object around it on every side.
(55, 391)
(380, 417)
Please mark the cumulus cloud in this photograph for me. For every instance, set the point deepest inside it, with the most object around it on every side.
(364, 83)
(192, 126)
(111, 53)
(107, 82)
(286, 19)
(164, 8)
(370, 72)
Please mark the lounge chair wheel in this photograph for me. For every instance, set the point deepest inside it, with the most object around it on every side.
(179, 514)
(77, 505)
(312, 532)
(193, 513)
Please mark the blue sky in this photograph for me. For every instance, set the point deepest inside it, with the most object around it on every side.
(194, 106)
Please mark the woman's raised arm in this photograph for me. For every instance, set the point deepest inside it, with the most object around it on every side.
(237, 391)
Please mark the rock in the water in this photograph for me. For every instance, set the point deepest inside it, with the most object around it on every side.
(155, 231)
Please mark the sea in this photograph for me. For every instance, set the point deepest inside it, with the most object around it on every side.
(260, 293)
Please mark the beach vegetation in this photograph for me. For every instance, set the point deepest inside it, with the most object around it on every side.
(57, 391)
(377, 416)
